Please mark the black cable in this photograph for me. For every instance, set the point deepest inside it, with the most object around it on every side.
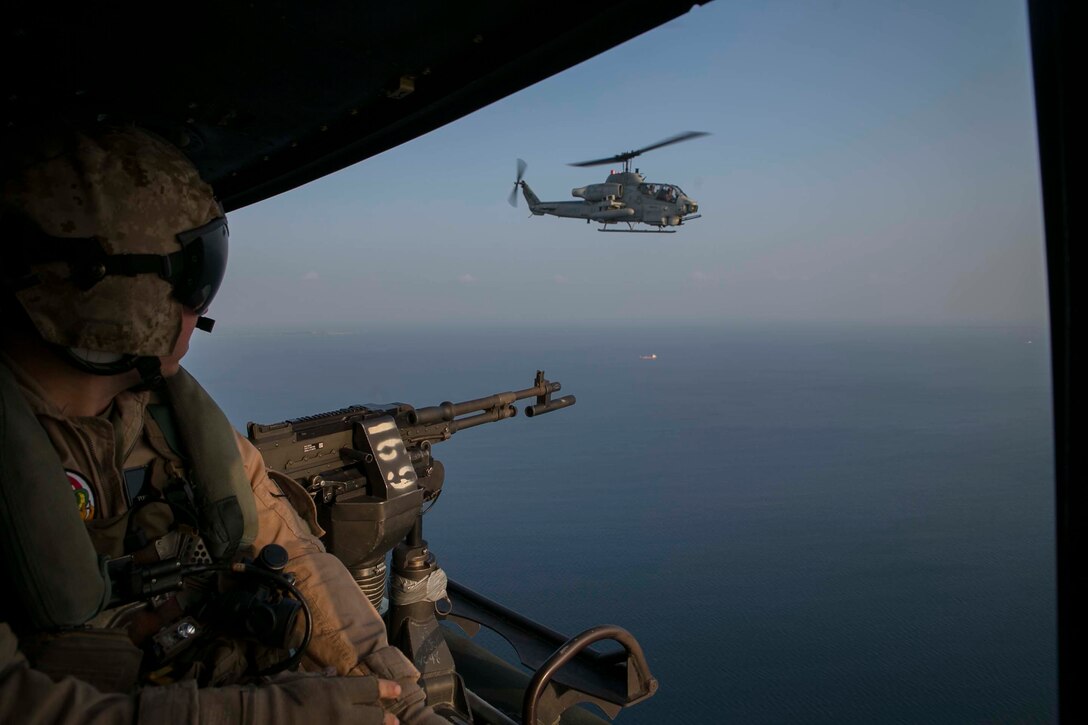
(295, 654)
(431, 503)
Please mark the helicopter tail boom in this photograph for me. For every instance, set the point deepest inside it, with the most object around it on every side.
(530, 198)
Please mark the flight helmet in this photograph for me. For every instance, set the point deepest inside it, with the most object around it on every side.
(106, 234)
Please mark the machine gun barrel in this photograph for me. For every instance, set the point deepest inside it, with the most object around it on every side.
(488, 416)
(447, 411)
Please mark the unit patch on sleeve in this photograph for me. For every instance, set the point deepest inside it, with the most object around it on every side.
(84, 495)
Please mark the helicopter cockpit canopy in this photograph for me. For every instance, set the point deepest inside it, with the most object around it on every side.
(661, 192)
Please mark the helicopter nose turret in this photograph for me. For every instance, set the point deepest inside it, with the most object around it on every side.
(686, 205)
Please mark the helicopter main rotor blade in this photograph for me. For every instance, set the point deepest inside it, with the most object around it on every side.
(602, 162)
(618, 158)
(686, 136)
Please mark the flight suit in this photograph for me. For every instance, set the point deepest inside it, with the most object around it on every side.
(108, 460)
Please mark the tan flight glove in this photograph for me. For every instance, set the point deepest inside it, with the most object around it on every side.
(389, 663)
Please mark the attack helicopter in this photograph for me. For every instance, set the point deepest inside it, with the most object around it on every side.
(624, 197)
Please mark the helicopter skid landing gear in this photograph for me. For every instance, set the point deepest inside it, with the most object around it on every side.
(637, 231)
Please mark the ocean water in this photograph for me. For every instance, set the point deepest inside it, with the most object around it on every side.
(801, 524)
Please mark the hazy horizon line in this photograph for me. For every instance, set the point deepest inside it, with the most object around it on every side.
(365, 327)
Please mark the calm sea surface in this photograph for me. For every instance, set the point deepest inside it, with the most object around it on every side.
(800, 524)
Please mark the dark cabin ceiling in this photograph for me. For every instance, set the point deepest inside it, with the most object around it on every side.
(267, 96)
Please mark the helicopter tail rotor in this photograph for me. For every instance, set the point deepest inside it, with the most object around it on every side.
(513, 200)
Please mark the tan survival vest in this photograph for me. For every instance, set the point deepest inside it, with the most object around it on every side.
(54, 575)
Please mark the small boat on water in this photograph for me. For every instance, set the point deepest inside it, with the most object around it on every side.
(651, 356)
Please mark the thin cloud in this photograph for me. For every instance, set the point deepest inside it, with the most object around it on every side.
(311, 275)
(466, 279)
(560, 279)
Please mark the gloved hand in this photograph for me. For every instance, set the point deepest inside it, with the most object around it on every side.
(411, 708)
(292, 699)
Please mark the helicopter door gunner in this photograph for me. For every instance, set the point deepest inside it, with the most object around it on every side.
(111, 249)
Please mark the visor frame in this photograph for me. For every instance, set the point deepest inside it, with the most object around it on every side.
(196, 271)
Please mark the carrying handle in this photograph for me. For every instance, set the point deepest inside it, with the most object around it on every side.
(646, 683)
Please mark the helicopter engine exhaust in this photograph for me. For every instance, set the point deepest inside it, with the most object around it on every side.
(598, 192)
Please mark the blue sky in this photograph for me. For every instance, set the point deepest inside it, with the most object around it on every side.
(869, 162)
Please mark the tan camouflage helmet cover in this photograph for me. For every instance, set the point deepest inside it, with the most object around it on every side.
(134, 192)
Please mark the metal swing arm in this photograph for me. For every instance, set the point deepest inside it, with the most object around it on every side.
(566, 671)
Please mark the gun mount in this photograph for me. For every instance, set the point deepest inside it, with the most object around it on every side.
(370, 469)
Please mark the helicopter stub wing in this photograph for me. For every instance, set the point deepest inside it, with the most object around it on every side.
(579, 209)
(613, 215)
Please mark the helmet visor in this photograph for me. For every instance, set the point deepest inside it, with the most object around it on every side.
(197, 270)
(194, 272)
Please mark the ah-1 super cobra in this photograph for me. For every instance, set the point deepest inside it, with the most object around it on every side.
(624, 197)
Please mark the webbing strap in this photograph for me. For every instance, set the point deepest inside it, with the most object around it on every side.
(224, 496)
(51, 563)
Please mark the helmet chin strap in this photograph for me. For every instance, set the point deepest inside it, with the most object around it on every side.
(106, 364)
(95, 362)
(150, 370)
(103, 363)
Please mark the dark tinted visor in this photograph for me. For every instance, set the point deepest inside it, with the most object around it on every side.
(194, 273)
(197, 270)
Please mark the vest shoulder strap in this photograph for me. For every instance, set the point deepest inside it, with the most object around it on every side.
(225, 501)
(58, 577)
(160, 413)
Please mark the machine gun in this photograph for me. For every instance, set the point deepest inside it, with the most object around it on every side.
(370, 467)
(370, 470)
(323, 451)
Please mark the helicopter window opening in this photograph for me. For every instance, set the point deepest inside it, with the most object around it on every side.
(663, 192)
